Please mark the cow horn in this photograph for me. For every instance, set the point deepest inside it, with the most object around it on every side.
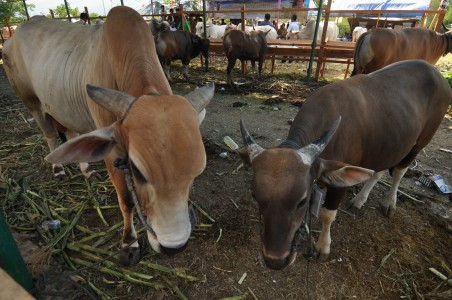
(201, 97)
(112, 100)
(312, 151)
(253, 148)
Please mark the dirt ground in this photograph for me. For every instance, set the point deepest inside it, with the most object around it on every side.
(372, 257)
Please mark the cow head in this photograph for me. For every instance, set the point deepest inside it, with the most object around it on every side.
(160, 139)
(282, 182)
(200, 45)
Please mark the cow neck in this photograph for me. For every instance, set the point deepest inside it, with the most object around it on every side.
(123, 165)
(448, 37)
(289, 143)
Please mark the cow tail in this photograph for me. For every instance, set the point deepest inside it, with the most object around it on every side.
(358, 45)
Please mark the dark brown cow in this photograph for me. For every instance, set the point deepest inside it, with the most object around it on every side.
(387, 117)
(183, 45)
(380, 47)
(244, 46)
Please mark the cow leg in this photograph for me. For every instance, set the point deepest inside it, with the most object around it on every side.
(85, 168)
(323, 244)
(261, 63)
(359, 200)
(130, 255)
(166, 69)
(231, 65)
(388, 206)
(253, 69)
(49, 132)
(185, 70)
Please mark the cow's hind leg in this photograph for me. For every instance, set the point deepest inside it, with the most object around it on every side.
(359, 200)
(85, 168)
(388, 205)
(47, 127)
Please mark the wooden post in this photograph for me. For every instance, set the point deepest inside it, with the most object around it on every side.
(26, 10)
(52, 14)
(320, 62)
(242, 15)
(9, 26)
(441, 16)
(87, 13)
(314, 41)
(67, 11)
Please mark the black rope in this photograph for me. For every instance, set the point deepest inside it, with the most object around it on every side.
(122, 165)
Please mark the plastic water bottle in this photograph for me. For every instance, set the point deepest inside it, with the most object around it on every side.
(230, 143)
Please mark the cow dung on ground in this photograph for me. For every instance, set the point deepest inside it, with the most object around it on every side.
(372, 257)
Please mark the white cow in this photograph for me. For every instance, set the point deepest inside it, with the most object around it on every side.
(307, 33)
(357, 32)
(212, 30)
(271, 35)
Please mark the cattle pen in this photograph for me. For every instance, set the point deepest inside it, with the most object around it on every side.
(68, 230)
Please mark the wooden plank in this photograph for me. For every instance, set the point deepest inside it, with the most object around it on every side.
(11, 290)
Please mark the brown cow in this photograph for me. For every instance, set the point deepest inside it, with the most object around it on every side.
(183, 45)
(50, 63)
(387, 117)
(244, 46)
(380, 47)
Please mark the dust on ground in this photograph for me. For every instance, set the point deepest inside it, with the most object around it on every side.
(372, 257)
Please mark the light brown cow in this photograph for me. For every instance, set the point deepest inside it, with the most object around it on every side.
(380, 47)
(387, 117)
(50, 63)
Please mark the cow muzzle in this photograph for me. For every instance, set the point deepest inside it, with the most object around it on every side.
(280, 263)
(172, 249)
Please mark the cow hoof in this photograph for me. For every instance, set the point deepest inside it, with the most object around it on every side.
(387, 211)
(322, 257)
(59, 174)
(94, 176)
(129, 256)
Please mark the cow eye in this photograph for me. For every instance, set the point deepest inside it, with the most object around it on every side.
(137, 174)
(301, 203)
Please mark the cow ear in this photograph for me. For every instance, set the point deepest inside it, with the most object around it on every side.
(339, 174)
(90, 147)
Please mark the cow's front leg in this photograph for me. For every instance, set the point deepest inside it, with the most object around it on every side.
(231, 65)
(323, 244)
(253, 68)
(130, 255)
(388, 206)
(359, 200)
(185, 71)
(166, 69)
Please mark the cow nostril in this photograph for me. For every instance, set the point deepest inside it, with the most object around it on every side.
(173, 251)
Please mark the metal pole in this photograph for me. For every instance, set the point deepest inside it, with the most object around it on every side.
(67, 11)
(205, 32)
(10, 259)
(26, 11)
(314, 40)
(122, 3)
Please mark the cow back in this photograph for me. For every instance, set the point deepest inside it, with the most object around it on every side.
(385, 115)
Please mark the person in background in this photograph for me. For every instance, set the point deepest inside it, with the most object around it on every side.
(171, 19)
(99, 20)
(162, 13)
(293, 24)
(266, 21)
(83, 19)
(282, 32)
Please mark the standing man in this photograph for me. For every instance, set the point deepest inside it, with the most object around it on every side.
(162, 13)
(293, 24)
(266, 21)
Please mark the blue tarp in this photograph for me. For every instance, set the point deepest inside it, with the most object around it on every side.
(383, 5)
